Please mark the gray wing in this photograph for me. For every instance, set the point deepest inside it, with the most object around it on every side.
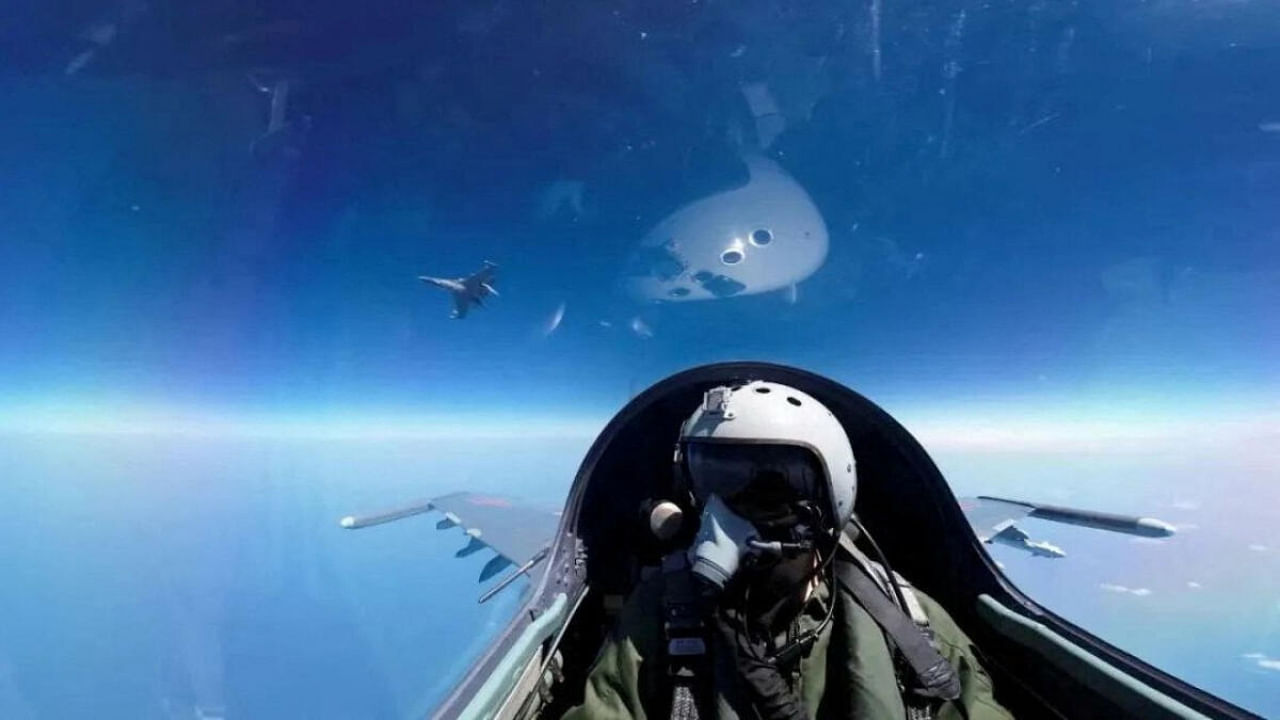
(477, 280)
(516, 532)
(990, 517)
(520, 534)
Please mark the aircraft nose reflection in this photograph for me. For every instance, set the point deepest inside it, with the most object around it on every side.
(765, 235)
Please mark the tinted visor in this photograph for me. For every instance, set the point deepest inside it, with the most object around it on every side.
(759, 482)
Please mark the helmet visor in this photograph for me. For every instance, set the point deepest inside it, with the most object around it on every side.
(760, 482)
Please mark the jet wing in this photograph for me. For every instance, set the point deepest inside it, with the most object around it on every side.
(990, 516)
(519, 534)
(515, 531)
(1009, 531)
(476, 281)
(984, 511)
(993, 520)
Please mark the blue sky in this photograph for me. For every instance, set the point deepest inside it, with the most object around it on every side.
(1053, 255)
(200, 276)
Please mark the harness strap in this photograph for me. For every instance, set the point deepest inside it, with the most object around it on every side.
(683, 704)
(918, 708)
(934, 678)
(914, 608)
(686, 642)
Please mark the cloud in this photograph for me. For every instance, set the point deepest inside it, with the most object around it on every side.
(1258, 547)
(1262, 661)
(1111, 587)
(1194, 585)
(1146, 541)
(1185, 504)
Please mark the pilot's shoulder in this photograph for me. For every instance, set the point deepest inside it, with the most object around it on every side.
(940, 621)
(977, 697)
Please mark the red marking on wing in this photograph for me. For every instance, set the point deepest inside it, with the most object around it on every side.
(488, 501)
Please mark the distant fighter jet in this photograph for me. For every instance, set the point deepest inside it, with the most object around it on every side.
(467, 291)
(283, 134)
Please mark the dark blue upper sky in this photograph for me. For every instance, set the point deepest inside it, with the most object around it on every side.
(1027, 199)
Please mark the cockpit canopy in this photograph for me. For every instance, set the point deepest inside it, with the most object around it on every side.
(631, 465)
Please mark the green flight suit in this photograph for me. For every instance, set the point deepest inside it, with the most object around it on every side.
(847, 673)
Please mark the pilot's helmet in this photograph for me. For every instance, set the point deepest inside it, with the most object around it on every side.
(761, 446)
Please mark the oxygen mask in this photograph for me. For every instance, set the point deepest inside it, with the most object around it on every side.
(756, 506)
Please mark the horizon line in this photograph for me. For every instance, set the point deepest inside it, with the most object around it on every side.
(982, 428)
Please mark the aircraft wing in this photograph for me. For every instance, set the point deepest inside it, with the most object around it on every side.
(516, 532)
(989, 516)
(519, 534)
(475, 281)
(1009, 531)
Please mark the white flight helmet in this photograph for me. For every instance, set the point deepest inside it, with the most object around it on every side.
(764, 414)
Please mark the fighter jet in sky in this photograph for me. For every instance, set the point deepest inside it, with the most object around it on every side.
(467, 291)
(284, 133)
(581, 562)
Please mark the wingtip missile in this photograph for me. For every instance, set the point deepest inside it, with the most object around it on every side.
(1127, 524)
(355, 522)
(1155, 528)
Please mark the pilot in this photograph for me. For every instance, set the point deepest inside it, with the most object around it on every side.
(772, 612)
